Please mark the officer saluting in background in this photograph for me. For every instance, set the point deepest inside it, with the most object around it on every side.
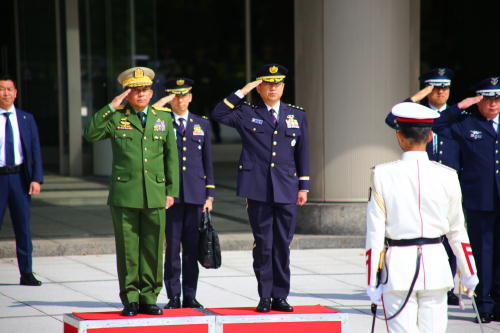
(273, 175)
(196, 194)
(144, 181)
(477, 134)
(443, 148)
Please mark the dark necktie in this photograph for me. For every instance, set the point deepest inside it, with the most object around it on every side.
(182, 129)
(273, 114)
(9, 141)
(493, 125)
(142, 118)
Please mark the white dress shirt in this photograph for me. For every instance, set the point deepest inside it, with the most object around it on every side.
(18, 149)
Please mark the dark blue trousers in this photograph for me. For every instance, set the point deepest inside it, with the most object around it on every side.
(14, 194)
(483, 228)
(273, 226)
(183, 221)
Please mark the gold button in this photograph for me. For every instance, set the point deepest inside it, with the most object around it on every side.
(184, 148)
(145, 148)
(272, 165)
(145, 138)
(184, 139)
(183, 168)
(204, 177)
(145, 171)
(145, 160)
(275, 143)
(184, 158)
(124, 134)
(118, 178)
(156, 137)
(254, 129)
(275, 132)
(295, 174)
(241, 166)
(274, 154)
(293, 134)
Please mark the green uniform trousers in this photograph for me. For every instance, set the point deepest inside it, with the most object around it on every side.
(139, 238)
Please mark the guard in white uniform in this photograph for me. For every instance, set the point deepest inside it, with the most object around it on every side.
(413, 203)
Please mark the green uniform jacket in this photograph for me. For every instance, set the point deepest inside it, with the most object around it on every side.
(145, 161)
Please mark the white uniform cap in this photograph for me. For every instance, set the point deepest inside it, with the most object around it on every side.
(408, 112)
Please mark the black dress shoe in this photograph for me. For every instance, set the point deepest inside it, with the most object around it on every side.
(264, 305)
(189, 302)
(485, 317)
(495, 317)
(29, 279)
(280, 304)
(452, 299)
(130, 309)
(173, 303)
(150, 309)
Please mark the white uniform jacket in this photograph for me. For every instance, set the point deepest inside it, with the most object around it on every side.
(416, 198)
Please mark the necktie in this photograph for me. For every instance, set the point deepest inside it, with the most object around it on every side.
(493, 125)
(9, 141)
(273, 114)
(142, 118)
(182, 129)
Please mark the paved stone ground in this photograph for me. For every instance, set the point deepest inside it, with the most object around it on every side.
(331, 277)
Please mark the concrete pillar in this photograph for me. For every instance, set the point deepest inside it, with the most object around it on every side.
(74, 88)
(353, 61)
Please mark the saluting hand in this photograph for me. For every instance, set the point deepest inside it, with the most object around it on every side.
(170, 202)
(119, 99)
(421, 94)
(250, 86)
(468, 102)
(164, 100)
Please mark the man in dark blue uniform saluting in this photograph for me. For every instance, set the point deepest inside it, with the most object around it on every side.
(477, 135)
(273, 175)
(443, 148)
(196, 193)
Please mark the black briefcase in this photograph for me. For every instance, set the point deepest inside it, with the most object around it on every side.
(209, 255)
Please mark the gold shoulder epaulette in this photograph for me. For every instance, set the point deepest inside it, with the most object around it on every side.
(204, 117)
(297, 107)
(162, 108)
(120, 107)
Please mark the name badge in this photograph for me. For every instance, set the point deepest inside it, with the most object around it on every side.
(475, 134)
(257, 121)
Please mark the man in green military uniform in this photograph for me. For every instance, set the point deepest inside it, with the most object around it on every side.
(144, 182)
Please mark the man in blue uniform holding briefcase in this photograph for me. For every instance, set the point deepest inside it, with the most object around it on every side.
(196, 193)
(273, 175)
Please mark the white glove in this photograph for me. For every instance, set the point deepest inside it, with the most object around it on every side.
(470, 283)
(375, 294)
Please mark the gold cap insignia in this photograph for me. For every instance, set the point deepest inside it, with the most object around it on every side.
(138, 72)
(273, 69)
(441, 71)
(494, 81)
(180, 82)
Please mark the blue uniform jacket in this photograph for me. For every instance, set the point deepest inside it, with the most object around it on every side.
(30, 142)
(274, 162)
(446, 151)
(196, 175)
(480, 148)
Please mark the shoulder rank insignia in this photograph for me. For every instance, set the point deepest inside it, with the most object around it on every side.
(120, 107)
(296, 107)
(251, 105)
(162, 108)
(204, 117)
